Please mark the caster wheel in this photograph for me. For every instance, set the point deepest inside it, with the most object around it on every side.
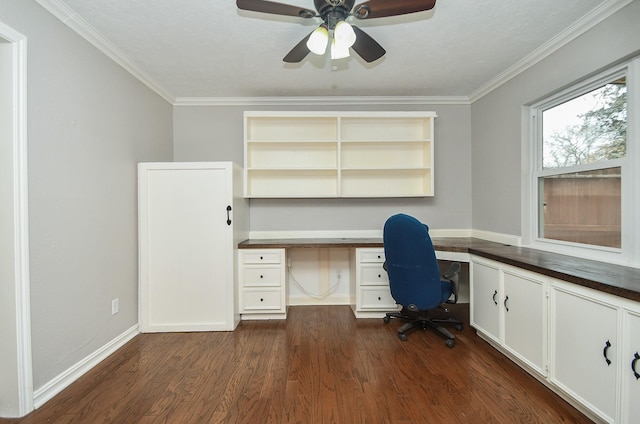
(403, 337)
(386, 320)
(450, 343)
(459, 327)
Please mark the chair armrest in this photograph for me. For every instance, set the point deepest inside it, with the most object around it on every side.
(452, 276)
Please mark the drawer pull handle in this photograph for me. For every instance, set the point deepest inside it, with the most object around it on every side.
(505, 303)
(228, 216)
(607, 345)
(261, 276)
(633, 365)
(379, 257)
(379, 298)
(261, 299)
(379, 276)
(261, 258)
(495, 293)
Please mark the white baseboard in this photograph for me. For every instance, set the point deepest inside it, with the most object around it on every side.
(62, 381)
(440, 232)
(497, 237)
(434, 232)
(262, 235)
(307, 300)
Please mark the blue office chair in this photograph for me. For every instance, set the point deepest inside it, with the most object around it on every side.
(414, 277)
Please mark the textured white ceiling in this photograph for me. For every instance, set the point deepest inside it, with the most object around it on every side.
(208, 48)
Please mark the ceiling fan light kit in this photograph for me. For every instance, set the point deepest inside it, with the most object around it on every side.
(338, 51)
(334, 14)
(344, 34)
(317, 42)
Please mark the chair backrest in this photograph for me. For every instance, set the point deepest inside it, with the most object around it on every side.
(414, 276)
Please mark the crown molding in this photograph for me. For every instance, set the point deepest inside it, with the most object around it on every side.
(89, 33)
(85, 30)
(321, 101)
(591, 19)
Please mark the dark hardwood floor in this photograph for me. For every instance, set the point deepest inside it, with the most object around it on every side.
(320, 366)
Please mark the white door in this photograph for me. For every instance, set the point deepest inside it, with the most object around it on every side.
(524, 310)
(185, 282)
(485, 282)
(631, 369)
(584, 348)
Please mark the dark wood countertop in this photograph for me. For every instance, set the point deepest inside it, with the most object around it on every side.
(615, 279)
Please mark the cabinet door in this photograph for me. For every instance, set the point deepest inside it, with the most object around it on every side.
(186, 283)
(584, 348)
(485, 281)
(524, 311)
(631, 369)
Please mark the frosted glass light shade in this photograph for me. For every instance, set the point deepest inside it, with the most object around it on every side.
(344, 35)
(338, 51)
(317, 42)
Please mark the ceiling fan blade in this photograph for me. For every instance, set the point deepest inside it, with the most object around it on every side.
(381, 8)
(299, 52)
(265, 6)
(367, 47)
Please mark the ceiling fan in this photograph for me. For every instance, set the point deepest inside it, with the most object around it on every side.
(334, 29)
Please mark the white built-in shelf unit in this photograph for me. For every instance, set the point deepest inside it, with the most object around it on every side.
(338, 154)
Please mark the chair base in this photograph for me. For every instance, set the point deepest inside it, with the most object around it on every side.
(421, 320)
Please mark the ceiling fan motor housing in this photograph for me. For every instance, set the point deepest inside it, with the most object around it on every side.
(333, 11)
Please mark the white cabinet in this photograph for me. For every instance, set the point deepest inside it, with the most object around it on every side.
(371, 289)
(508, 307)
(585, 347)
(524, 308)
(630, 363)
(263, 284)
(484, 307)
(191, 218)
(338, 154)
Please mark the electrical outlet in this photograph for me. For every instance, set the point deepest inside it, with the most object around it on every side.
(115, 307)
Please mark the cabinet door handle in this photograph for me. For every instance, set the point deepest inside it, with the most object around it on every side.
(633, 366)
(495, 293)
(607, 345)
(228, 216)
(505, 303)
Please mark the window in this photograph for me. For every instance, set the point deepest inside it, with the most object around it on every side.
(582, 162)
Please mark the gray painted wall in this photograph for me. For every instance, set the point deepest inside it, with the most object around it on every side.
(496, 118)
(215, 133)
(89, 123)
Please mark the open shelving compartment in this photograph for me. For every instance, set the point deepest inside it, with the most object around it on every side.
(339, 154)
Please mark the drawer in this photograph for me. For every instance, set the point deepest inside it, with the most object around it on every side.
(262, 257)
(373, 275)
(372, 256)
(262, 300)
(377, 299)
(261, 276)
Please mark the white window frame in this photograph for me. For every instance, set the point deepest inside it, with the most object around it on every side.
(629, 252)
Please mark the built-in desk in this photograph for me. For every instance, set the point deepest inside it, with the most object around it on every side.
(610, 278)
